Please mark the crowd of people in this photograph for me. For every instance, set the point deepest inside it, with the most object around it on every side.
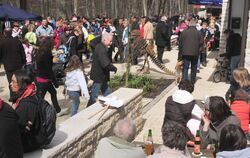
(30, 51)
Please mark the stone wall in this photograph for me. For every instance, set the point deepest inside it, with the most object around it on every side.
(224, 25)
(247, 55)
(79, 136)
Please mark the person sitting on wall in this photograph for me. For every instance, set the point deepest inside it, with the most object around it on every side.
(10, 138)
(120, 145)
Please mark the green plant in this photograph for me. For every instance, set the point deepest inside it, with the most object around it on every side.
(135, 81)
(115, 82)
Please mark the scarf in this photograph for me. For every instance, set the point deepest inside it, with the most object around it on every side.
(1, 103)
(29, 91)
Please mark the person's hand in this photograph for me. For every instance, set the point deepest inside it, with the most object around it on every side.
(209, 147)
(206, 121)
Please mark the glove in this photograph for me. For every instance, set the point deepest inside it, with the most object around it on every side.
(111, 67)
(115, 69)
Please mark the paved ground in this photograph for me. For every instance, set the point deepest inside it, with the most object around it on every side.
(154, 117)
(204, 86)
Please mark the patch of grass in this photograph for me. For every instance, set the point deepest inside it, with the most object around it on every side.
(135, 81)
(151, 87)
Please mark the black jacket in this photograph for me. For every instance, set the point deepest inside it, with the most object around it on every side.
(27, 110)
(44, 67)
(233, 45)
(10, 138)
(72, 45)
(162, 34)
(12, 54)
(180, 113)
(191, 42)
(101, 64)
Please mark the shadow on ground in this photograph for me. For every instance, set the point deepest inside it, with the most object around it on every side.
(213, 54)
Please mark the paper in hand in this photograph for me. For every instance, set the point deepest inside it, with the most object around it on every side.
(197, 112)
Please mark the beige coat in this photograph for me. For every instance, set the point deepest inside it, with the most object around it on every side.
(114, 147)
(148, 31)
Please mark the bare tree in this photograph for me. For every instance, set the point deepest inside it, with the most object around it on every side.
(112, 8)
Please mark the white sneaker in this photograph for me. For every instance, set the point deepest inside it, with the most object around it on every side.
(64, 111)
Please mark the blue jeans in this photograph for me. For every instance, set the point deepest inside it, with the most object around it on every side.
(234, 62)
(199, 63)
(96, 87)
(74, 96)
(186, 62)
(125, 52)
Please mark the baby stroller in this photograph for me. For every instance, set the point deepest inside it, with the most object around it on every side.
(60, 60)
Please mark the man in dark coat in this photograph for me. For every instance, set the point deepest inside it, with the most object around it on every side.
(100, 68)
(191, 42)
(233, 48)
(10, 138)
(161, 37)
(12, 54)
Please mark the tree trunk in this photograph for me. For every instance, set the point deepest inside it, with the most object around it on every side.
(75, 6)
(93, 8)
(159, 8)
(23, 4)
(115, 8)
(163, 7)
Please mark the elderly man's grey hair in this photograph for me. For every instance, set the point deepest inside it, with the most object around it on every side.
(125, 129)
(106, 36)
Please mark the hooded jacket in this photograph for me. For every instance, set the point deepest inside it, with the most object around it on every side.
(75, 81)
(114, 147)
(244, 153)
(178, 108)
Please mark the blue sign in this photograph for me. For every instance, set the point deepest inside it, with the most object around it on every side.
(206, 2)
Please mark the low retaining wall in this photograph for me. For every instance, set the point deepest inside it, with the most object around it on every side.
(79, 136)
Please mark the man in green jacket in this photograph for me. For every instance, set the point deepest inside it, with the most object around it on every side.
(120, 145)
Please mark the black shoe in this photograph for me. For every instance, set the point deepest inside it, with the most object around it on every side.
(115, 59)
(198, 71)
(204, 64)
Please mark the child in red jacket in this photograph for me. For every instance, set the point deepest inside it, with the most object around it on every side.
(241, 108)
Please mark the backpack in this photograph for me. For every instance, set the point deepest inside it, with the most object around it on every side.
(47, 122)
(47, 117)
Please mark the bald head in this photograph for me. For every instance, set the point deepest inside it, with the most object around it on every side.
(125, 129)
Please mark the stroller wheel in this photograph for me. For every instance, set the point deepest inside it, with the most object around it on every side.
(217, 76)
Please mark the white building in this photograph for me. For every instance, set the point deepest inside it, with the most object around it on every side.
(235, 16)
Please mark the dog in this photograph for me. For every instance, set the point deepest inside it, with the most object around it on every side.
(178, 70)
